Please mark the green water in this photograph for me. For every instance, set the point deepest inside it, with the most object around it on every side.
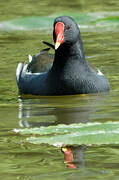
(23, 26)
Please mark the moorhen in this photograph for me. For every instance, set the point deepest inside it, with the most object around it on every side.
(64, 73)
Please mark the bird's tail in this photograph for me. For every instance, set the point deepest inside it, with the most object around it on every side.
(20, 71)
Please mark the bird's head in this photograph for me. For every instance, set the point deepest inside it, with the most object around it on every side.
(65, 31)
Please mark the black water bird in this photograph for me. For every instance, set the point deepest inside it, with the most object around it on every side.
(64, 73)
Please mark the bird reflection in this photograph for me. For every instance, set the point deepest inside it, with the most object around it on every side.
(58, 110)
(74, 156)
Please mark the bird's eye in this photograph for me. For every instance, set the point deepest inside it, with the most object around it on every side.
(68, 27)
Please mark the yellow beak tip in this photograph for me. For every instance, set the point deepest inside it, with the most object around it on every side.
(64, 149)
(57, 44)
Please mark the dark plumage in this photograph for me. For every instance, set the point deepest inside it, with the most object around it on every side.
(66, 72)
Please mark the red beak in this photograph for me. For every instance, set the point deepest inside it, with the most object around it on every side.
(59, 31)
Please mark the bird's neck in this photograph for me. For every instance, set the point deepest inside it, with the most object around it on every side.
(67, 54)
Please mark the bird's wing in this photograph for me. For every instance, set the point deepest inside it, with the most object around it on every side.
(41, 62)
(38, 63)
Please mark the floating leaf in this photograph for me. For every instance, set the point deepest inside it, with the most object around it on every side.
(39, 22)
(28, 23)
(74, 134)
(86, 21)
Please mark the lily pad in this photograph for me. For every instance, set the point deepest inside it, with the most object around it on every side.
(108, 21)
(28, 23)
(46, 22)
(74, 134)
